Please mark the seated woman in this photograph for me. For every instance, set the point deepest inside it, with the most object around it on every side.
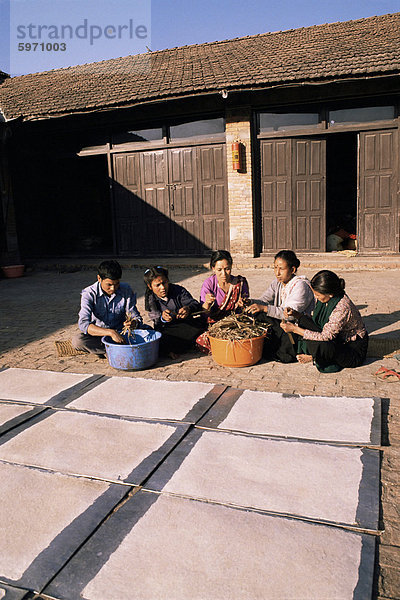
(335, 337)
(222, 292)
(287, 290)
(170, 307)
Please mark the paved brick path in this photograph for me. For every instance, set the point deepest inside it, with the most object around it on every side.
(42, 307)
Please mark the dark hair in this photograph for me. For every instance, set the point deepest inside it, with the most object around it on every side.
(109, 269)
(150, 275)
(289, 257)
(220, 255)
(327, 282)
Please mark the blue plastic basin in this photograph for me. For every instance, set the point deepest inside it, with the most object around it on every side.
(143, 353)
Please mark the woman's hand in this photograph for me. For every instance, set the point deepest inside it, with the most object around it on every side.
(167, 316)
(183, 312)
(208, 301)
(253, 309)
(292, 328)
(291, 313)
(288, 327)
(243, 302)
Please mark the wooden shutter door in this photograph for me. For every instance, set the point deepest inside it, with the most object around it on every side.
(309, 195)
(183, 200)
(127, 204)
(213, 201)
(378, 192)
(276, 194)
(156, 222)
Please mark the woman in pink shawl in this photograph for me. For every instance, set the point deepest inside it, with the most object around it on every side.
(222, 293)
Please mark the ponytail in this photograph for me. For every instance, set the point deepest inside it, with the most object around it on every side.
(327, 282)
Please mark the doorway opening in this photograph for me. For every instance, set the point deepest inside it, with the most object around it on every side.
(341, 191)
(91, 233)
(64, 209)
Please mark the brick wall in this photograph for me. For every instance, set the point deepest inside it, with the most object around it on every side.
(240, 196)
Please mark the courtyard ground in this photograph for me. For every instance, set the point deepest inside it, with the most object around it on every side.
(42, 307)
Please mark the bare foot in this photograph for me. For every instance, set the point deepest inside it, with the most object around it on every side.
(304, 358)
(173, 355)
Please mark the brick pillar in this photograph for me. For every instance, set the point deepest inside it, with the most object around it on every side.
(240, 194)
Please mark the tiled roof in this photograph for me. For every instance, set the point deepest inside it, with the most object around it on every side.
(318, 53)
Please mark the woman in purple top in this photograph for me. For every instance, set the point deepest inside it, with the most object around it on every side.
(222, 292)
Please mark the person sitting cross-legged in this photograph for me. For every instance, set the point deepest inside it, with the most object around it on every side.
(104, 308)
(221, 294)
(287, 290)
(335, 337)
(174, 312)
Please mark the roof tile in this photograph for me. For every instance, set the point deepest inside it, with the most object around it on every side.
(316, 53)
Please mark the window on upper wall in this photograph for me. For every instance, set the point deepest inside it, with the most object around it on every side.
(138, 135)
(274, 121)
(348, 116)
(191, 129)
(89, 141)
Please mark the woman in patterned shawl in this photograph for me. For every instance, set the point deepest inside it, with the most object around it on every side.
(335, 337)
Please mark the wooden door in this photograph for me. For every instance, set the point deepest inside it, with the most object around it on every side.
(276, 173)
(377, 201)
(128, 206)
(213, 220)
(293, 194)
(309, 195)
(171, 201)
(155, 195)
(183, 200)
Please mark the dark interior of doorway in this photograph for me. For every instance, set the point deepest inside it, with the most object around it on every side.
(65, 210)
(341, 184)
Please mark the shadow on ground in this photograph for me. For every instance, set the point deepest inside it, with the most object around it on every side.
(377, 321)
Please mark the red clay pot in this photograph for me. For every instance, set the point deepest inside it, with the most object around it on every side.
(13, 271)
(237, 353)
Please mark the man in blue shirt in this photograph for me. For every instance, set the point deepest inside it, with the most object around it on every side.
(103, 309)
